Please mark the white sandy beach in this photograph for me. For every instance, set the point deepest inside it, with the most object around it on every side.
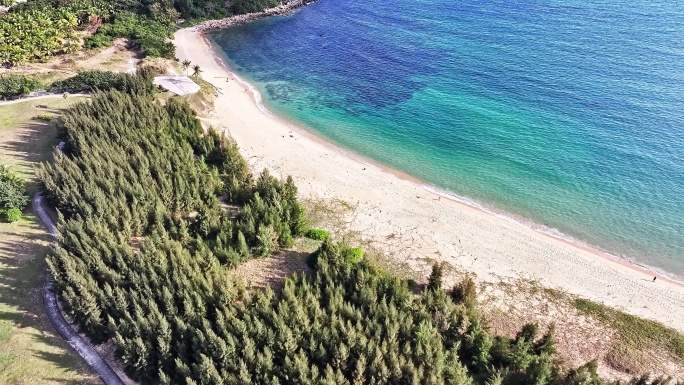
(412, 222)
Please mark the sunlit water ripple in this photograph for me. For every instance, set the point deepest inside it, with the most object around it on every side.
(567, 113)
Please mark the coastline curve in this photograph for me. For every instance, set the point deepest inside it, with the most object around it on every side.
(543, 230)
(392, 202)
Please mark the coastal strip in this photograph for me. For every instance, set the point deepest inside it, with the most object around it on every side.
(283, 9)
(415, 225)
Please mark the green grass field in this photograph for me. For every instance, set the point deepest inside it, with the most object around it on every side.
(31, 352)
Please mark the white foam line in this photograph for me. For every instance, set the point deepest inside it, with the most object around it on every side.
(258, 99)
(550, 231)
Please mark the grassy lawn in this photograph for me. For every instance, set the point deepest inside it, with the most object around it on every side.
(31, 352)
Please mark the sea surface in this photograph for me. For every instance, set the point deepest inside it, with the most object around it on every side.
(566, 114)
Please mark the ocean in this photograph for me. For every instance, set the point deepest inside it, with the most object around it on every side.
(565, 115)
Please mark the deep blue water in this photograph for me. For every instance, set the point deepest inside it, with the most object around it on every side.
(567, 113)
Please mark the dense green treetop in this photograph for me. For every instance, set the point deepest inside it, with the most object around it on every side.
(155, 209)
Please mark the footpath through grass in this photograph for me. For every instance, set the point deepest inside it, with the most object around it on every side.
(31, 352)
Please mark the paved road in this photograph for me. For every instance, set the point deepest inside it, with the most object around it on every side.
(48, 96)
(82, 347)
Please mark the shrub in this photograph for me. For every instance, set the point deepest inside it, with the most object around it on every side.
(12, 190)
(13, 215)
(464, 291)
(15, 85)
(353, 255)
(98, 40)
(435, 279)
(317, 234)
(45, 117)
(92, 80)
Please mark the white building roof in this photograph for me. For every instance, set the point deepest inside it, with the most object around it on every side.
(179, 85)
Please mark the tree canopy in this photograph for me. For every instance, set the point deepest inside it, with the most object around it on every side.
(155, 209)
(38, 29)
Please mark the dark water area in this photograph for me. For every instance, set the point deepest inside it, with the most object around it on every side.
(567, 113)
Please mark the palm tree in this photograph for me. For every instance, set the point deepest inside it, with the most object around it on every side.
(196, 71)
(185, 65)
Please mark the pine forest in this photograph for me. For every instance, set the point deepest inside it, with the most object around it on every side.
(154, 210)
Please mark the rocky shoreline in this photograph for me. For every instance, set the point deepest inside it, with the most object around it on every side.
(283, 9)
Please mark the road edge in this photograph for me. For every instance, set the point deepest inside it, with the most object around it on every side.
(54, 314)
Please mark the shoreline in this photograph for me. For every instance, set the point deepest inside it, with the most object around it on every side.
(521, 266)
(280, 10)
(439, 191)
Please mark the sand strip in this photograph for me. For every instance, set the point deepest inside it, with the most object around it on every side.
(415, 224)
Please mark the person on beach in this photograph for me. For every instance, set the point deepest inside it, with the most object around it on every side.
(654, 278)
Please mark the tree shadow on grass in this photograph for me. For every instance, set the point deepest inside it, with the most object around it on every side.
(33, 141)
(23, 248)
(65, 363)
(68, 382)
(32, 144)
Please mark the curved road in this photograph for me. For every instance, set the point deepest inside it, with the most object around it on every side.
(82, 347)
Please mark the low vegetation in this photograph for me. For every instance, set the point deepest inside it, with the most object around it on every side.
(13, 196)
(13, 215)
(92, 80)
(317, 234)
(45, 117)
(148, 35)
(637, 336)
(13, 85)
(217, 9)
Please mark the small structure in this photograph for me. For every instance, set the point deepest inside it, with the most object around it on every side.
(179, 85)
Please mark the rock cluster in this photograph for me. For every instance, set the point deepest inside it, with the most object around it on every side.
(282, 9)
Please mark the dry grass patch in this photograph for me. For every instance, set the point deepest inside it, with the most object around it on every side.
(203, 101)
(271, 271)
(623, 345)
(117, 58)
(641, 345)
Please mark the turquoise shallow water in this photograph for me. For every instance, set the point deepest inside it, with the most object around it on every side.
(567, 113)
